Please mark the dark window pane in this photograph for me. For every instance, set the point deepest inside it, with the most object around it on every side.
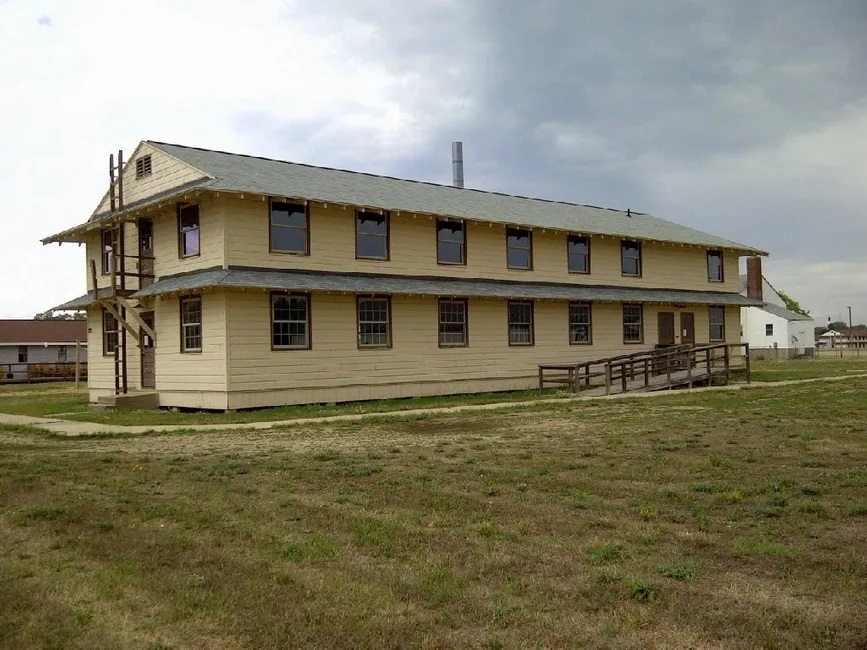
(288, 214)
(519, 238)
(450, 231)
(519, 258)
(371, 223)
(714, 266)
(371, 246)
(450, 252)
(189, 217)
(630, 266)
(288, 239)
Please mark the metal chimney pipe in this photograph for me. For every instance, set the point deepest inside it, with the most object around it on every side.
(458, 164)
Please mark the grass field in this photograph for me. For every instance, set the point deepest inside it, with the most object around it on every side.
(62, 401)
(723, 519)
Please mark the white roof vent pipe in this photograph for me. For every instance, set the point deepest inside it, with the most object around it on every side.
(458, 164)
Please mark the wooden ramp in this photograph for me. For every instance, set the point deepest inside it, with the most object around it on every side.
(659, 369)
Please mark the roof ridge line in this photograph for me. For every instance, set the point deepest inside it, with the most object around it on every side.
(628, 212)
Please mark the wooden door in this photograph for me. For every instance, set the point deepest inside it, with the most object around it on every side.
(146, 251)
(666, 328)
(148, 356)
(687, 327)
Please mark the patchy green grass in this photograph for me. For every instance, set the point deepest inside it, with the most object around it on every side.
(807, 368)
(729, 519)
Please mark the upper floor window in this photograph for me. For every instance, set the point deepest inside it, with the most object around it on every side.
(110, 243)
(371, 235)
(633, 324)
(521, 322)
(143, 166)
(630, 257)
(519, 248)
(717, 318)
(374, 322)
(578, 250)
(22, 354)
(452, 322)
(290, 228)
(579, 323)
(451, 243)
(109, 333)
(290, 322)
(191, 324)
(769, 329)
(188, 230)
(715, 266)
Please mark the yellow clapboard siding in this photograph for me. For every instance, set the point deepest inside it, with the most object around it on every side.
(167, 172)
(413, 252)
(415, 357)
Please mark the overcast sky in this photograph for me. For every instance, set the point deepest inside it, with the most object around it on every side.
(747, 119)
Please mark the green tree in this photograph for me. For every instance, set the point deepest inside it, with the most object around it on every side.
(792, 304)
(50, 315)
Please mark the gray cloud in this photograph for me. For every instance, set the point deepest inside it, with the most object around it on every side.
(701, 114)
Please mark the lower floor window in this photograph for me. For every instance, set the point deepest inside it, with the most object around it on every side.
(109, 333)
(191, 324)
(520, 322)
(452, 322)
(769, 329)
(290, 322)
(717, 317)
(22, 354)
(633, 326)
(374, 322)
(61, 354)
(579, 323)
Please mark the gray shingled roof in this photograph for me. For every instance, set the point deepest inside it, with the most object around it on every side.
(396, 284)
(241, 173)
(782, 312)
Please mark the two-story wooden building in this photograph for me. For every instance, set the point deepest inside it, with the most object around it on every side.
(227, 281)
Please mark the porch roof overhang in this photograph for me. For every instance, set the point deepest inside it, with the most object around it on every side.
(242, 278)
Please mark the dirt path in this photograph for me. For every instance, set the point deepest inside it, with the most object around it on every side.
(71, 428)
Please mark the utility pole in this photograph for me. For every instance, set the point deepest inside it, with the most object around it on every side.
(850, 327)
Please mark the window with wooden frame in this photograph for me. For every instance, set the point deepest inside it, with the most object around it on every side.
(22, 354)
(374, 322)
(630, 257)
(633, 323)
(717, 318)
(290, 228)
(451, 242)
(580, 331)
(290, 321)
(109, 333)
(371, 235)
(191, 324)
(519, 248)
(143, 166)
(578, 253)
(715, 266)
(189, 242)
(521, 322)
(452, 322)
(110, 243)
(62, 354)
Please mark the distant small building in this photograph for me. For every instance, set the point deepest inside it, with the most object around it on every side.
(857, 339)
(772, 330)
(40, 345)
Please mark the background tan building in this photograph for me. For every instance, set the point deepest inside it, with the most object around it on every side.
(219, 280)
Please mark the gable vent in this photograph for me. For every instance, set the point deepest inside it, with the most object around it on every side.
(143, 166)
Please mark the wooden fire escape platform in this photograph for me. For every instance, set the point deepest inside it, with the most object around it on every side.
(659, 369)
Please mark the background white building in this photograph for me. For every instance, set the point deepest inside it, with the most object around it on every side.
(772, 330)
